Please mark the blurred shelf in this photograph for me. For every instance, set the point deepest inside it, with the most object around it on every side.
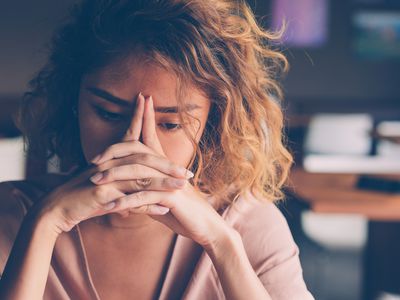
(337, 193)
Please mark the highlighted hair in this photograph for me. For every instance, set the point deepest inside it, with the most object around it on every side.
(215, 45)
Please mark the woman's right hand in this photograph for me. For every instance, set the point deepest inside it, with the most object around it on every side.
(79, 199)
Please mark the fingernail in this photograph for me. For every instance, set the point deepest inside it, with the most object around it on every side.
(162, 210)
(96, 159)
(178, 183)
(139, 96)
(96, 177)
(110, 205)
(186, 173)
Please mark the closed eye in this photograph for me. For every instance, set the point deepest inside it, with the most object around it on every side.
(170, 126)
(109, 116)
(114, 118)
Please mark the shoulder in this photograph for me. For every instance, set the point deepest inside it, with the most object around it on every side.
(13, 207)
(13, 201)
(253, 216)
(263, 228)
(16, 197)
(269, 245)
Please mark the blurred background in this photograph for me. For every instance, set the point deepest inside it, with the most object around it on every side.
(342, 108)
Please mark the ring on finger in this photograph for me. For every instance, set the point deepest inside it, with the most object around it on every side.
(143, 182)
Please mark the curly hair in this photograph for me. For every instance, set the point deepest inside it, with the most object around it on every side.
(217, 45)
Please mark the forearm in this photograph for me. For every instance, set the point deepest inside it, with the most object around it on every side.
(237, 277)
(25, 274)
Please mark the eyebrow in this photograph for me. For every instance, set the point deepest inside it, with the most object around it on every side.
(122, 102)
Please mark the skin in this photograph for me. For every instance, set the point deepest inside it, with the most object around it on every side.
(97, 133)
(137, 149)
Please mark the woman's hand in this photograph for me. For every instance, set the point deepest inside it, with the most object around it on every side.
(79, 199)
(190, 214)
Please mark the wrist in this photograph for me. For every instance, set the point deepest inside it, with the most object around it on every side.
(45, 219)
(227, 239)
(43, 223)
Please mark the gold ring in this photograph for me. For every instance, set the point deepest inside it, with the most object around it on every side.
(143, 182)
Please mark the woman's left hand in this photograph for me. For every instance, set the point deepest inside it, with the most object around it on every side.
(190, 214)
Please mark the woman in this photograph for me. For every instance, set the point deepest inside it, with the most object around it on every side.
(166, 110)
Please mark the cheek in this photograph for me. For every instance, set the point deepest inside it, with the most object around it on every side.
(96, 136)
(177, 147)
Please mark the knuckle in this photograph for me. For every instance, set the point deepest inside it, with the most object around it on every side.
(137, 157)
(98, 169)
(146, 158)
(129, 132)
(133, 185)
(139, 197)
(111, 150)
(135, 168)
(100, 191)
(142, 209)
(144, 182)
(172, 195)
(166, 183)
(151, 208)
(135, 144)
(93, 171)
(108, 165)
(108, 150)
(171, 167)
(147, 208)
(110, 174)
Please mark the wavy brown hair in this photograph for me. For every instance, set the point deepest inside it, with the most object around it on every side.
(217, 45)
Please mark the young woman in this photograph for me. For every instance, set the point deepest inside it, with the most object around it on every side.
(167, 110)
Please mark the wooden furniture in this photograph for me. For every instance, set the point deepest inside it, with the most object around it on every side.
(337, 193)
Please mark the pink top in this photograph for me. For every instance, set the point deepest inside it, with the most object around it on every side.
(190, 273)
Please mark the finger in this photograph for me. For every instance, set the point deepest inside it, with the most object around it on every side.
(151, 209)
(170, 221)
(146, 160)
(123, 205)
(125, 172)
(123, 213)
(142, 198)
(106, 197)
(151, 184)
(127, 178)
(121, 150)
(135, 127)
(149, 134)
(114, 209)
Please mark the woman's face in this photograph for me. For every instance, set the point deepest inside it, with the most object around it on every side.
(107, 101)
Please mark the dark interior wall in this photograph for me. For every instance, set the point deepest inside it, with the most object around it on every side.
(332, 77)
(25, 28)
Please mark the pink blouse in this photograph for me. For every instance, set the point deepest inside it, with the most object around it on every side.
(190, 273)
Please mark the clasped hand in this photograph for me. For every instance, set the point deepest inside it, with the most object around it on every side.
(135, 177)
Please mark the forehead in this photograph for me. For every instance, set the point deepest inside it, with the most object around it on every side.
(126, 78)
